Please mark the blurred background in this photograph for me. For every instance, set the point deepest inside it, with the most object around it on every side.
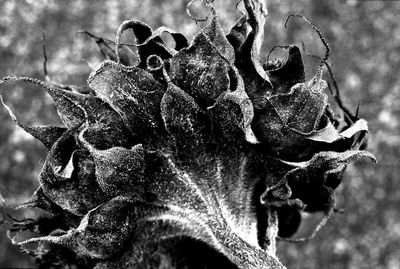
(365, 41)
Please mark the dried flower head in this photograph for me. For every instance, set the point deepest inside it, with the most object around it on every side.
(195, 150)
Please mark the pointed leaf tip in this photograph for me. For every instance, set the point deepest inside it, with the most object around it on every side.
(48, 135)
(216, 36)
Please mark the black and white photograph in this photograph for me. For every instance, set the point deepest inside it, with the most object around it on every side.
(200, 134)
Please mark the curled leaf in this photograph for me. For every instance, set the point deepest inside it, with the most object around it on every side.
(104, 230)
(101, 233)
(329, 133)
(201, 71)
(70, 183)
(233, 112)
(306, 181)
(117, 167)
(58, 158)
(332, 162)
(106, 128)
(186, 121)
(134, 94)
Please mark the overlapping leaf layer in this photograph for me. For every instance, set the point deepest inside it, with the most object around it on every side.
(194, 148)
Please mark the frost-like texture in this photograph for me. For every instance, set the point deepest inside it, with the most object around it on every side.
(200, 147)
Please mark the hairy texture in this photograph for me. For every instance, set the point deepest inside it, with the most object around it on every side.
(177, 154)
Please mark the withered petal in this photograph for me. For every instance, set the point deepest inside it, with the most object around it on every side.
(58, 158)
(105, 229)
(68, 179)
(101, 233)
(116, 167)
(308, 180)
(302, 108)
(216, 36)
(202, 69)
(233, 112)
(185, 121)
(133, 93)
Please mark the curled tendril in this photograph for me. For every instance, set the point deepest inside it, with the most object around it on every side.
(154, 63)
(327, 47)
(162, 68)
(26, 79)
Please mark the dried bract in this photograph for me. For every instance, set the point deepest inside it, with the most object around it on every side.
(200, 147)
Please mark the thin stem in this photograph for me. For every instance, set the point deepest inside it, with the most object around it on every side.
(45, 58)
